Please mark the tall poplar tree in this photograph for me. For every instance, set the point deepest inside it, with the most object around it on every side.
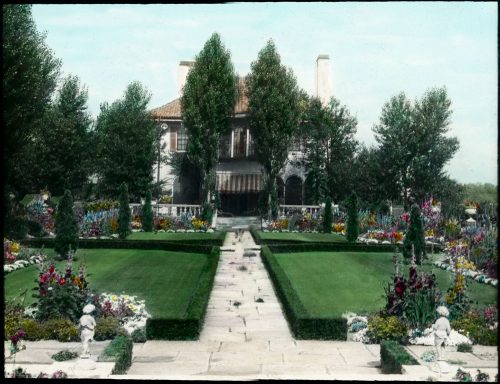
(207, 104)
(66, 226)
(274, 111)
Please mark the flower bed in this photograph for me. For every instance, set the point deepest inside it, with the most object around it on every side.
(17, 257)
(131, 311)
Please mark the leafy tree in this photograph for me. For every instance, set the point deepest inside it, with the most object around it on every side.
(352, 230)
(147, 214)
(274, 113)
(451, 195)
(367, 179)
(481, 193)
(414, 237)
(207, 105)
(127, 136)
(328, 216)
(66, 226)
(61, 151)
(124, 214)
(329, 148)
(30, 73)
(412, 138)
(189, 177)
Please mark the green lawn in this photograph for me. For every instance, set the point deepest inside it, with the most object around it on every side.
(307, 237)
(331, 283)
(177, 236)
(164, 279)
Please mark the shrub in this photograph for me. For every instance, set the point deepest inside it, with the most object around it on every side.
(124, 214)
(147, 214)
(16, 228)
(139, 336)
(107, 327)
(66, 226)
(387, 328)
(120, 351)
(64, 355)
(393, 356)
(414, 241)
(60, 329)
(207, 212)
(352, 231)
(34, 330)
(476, 328)
(464, 347)
(35, 228)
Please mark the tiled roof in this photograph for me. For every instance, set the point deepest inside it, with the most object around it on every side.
(172, 110)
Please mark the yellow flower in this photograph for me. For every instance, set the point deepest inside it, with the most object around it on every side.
(16, 247)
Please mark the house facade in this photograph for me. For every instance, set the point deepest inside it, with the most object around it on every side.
(239, 174)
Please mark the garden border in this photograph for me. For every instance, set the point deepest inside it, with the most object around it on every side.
(393, 356)
(302, 325)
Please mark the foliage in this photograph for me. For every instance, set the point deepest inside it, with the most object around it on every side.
(61, 294)
(61, 154)
(273, 113)
(414, 242)
(64, 355)
(120, 350)
(30, 73)
(474, 325)
(63, 330)
(147, 214)
(464, 347)
(481, 192)
(352, 219)
(66, 227)
(100, 205)
(126, 135)
(124, 214)
(463, 376)
(413, 139)
(207, 104)
(387, 328)
(327, 218)
(456, 297)
(367, 176)
(329, 148)
(108, 327)
(139, 336)
(393, 356)
(16, 227)
(189, 177)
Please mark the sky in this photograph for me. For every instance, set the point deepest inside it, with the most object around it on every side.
(376, 50)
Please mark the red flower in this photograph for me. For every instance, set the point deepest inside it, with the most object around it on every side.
(400, 287)
(62, 281)
(51, 269)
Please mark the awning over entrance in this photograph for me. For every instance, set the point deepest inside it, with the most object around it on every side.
(238, 183)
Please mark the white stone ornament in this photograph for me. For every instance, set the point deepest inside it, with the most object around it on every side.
(87, 329)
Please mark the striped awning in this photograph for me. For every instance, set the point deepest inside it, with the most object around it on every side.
(239, 183)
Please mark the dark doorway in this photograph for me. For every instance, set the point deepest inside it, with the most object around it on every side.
(293, 191)
(239, 204)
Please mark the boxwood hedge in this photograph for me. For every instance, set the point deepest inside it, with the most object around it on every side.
(393, 356)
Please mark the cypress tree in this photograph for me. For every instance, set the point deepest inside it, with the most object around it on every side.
(352, 230)
(147, 214)
(328, 216)
(414, 236)
(124, 214)
(66, 226)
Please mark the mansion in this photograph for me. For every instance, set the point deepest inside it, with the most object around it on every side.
(239, 175)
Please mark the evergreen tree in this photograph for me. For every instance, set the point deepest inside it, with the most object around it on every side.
(66, 226)
(328, 216)
(124, 214)
(207, 105)
(414, 237)
(352, 230)
(147, 214)
(274, 111)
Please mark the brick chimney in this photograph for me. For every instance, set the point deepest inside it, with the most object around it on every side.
(182, 72)
(323, 82)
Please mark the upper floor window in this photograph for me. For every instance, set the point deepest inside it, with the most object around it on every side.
(178, 139)
(240, 142)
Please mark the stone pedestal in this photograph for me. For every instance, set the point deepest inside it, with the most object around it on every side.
(85, 364)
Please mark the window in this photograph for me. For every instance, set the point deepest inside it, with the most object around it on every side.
(173, 139)
(240, 143)
(225, 146)
(295, 144)
(182, 139)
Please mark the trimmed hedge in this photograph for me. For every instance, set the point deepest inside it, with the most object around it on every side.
(202, 246)
(393, 356)
(302, 325)
(189, 327)
(119, 351)
(255, 234)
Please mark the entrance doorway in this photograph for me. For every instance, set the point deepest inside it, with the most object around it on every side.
(239, 204)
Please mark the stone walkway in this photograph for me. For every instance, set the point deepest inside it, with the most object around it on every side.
(246, 337)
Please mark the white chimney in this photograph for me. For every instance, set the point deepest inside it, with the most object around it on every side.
(323, 86)
(182, 72)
